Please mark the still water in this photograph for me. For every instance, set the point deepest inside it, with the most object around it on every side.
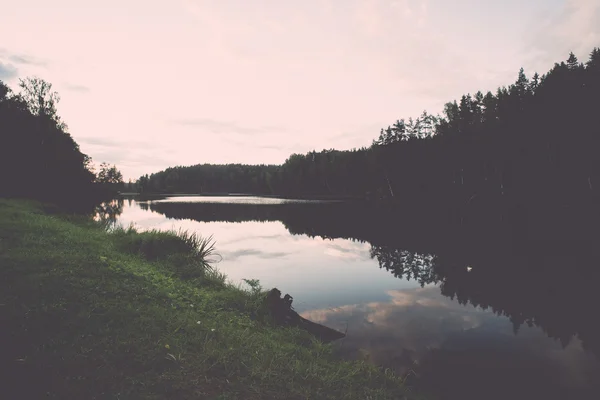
(469, 324)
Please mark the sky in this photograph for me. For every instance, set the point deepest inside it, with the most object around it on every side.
(150, 84)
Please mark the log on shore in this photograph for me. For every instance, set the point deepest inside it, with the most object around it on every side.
(283, 313)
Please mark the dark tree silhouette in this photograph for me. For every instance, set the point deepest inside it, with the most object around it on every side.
(38, 157)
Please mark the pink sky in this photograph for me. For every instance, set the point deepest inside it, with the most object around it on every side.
(152, 84)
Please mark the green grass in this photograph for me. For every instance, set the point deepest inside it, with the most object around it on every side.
(87, 313)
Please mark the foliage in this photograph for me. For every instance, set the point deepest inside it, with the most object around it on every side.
(87, 314)
(109, 174)
(38, 157)
(41, 100)
(207, 178)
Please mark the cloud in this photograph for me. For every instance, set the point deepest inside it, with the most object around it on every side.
(7, 71)
(272, 147)
(247, 33)
(27, 60)
(22, 59)
(125, 155)
(76, 88)
(573, 27)
(413, 320)
(99, 141)
(138, 157)
(273, 142)
(136, 162)
(364, 134)
(216, 126)
(116, 143)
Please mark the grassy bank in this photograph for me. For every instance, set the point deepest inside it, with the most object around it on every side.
(87, 314)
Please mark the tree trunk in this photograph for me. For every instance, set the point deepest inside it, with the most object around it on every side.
(389, 184)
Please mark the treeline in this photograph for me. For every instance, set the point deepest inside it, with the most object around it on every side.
(317, 173)
(533, 142)
(38, 157)
(211, 178)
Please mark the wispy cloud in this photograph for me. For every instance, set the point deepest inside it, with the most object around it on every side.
(99, 141)
(135, 156)
(264, 141)
(7, 71)
(271, 147)
(76, 88)
(114, 142)
(216, 126)
(138, 161)
(23, 59)
(14, 63)
(28, 60)
(362, 135)
(575, 26)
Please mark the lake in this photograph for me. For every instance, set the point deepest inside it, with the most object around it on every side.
(477, 319)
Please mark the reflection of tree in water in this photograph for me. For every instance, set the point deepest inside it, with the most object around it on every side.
(555, 292)
(405, 264)
(351, 220)
(551, 293)
(108, 211)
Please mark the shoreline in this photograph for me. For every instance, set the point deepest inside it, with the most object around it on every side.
(144, 315)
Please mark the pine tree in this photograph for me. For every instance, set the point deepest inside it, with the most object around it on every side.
(535, 82)
(593, 63)
(572, 62)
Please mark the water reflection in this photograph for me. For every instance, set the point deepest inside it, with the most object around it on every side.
(316, 272)
(405, 264)
(108, 212)
(457, 351)
(466, 314)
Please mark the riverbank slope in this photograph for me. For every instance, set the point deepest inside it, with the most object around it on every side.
(126, 315)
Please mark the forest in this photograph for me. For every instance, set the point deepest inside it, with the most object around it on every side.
(531, 144)
(39, 159)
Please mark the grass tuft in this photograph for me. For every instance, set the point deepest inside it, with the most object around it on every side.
(189, 255)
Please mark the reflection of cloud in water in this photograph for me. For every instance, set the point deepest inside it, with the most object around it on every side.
(421, 330)
(234, 255)
(414, 319)
(257, 237)
(347, 250)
